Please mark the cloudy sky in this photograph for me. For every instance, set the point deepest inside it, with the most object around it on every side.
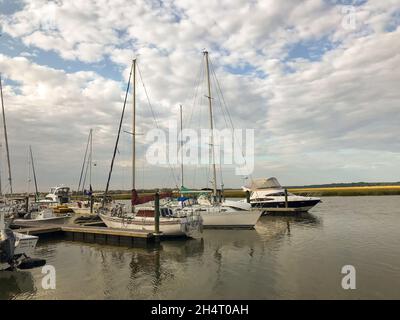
(318, 81)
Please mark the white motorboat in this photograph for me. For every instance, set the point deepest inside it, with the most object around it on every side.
(269, 194)
(45, 216)
(16, 248)
(57, 195)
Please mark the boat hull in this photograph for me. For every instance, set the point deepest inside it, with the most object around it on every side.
(236, 219)
(39, 222)
(25, 244)
(168, 227)
(299, 205)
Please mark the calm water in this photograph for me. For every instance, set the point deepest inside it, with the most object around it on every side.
(284, 258)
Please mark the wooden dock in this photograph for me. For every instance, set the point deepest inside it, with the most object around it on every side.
(94, 234)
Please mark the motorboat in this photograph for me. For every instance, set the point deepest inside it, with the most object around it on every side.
(16, 249)
(44, 216)
(269, 194)
(57, 195)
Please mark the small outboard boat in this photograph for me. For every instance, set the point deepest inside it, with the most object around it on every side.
(15, 249)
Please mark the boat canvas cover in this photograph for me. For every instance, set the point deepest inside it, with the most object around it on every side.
(263, 184)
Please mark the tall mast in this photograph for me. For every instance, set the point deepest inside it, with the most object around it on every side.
(134, 130)
(84, 163)
(212, 128)
(180, 109)
(117, 140)
(5, 137)
(34, 174)
(90, 157)
(1, 190)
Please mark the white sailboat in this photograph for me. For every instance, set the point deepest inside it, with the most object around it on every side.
(188, 224)
(15, 247)
(226, 214)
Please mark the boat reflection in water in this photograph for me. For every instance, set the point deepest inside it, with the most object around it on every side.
(209, 268)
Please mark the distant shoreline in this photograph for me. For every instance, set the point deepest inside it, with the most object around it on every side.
(377, 190)
(317, 192)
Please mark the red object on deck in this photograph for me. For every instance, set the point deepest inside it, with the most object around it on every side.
(143, 199)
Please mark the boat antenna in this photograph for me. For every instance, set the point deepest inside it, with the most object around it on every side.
(211, 127)
(5, 137)
(119, 133)
(34, 175)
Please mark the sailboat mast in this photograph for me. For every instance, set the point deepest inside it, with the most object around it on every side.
(83, 164)
(1, 189)
(180, 109)
(212, 128)
(34, 174)
(117, 140)
(5, 137)
(134, 130)
(90, 158)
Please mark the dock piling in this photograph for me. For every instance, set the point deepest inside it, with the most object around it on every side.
(286, 199)
(157, 213)
(248, 196)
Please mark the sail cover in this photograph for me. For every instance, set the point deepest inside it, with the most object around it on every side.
(263, 184)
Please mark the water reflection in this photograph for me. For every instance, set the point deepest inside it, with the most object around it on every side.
(284, 257)
(14, 283)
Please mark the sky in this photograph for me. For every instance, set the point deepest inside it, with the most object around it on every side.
(317, 80)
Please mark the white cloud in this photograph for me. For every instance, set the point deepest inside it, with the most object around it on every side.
(346, 99)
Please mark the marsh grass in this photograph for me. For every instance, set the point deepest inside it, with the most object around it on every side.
(319, 192)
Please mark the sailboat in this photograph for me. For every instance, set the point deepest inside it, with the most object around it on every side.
(187, 224)
(225, 214)
(39, 213)
(86, 208)
(15, 247)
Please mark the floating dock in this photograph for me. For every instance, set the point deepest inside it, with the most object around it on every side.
(94, 234)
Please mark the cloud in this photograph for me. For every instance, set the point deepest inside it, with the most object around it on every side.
(309, 84)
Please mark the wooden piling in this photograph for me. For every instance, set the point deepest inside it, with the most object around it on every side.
(157, 213)
(248, 196)
(26, 204)
(286, 199)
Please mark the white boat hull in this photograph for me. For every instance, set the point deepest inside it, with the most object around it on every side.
(25, 244)
(229, 219)
(44, 221)
(168, 226)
